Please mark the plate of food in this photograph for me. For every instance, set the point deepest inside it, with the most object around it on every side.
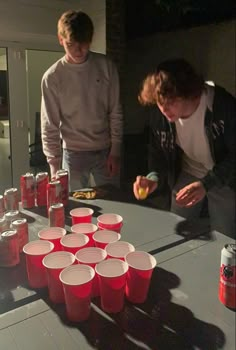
(88, 193)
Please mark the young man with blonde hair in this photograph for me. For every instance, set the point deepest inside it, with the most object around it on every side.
(192, 143)
(81, 108)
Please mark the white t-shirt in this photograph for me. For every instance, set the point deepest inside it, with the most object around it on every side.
(192, 139)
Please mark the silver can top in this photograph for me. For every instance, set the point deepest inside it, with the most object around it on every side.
(231, 248)
(11, 190)
(57, 206)
(8, 234)
(28, 175)
(41, 175)
(19, 222)
(11, 213)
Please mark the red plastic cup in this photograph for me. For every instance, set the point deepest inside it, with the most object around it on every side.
(81, 215)
(141, 265)
(92, 256)
(77, 286)
(119, 249)
(54, 264)
(110, 221)
(112, 279)
(103, 237)
(35, 251)
(74, 242)
(87, 229)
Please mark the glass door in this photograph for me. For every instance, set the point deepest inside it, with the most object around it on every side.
(5, 135)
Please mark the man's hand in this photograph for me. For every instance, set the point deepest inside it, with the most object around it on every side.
(113, 165)
(191, 194)
(142, 184)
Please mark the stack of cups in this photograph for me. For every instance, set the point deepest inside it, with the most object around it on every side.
(92, 256)
(110, 221)
(35, 252)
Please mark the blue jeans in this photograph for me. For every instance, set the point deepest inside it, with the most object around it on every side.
(221, 206)
(87, 168)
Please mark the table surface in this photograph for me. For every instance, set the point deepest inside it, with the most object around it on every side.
(182, 310)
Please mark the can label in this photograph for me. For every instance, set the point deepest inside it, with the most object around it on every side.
(57, 215)
(9, 249)
(42, 180)
(11, 200)
(21, 227)
(63, 176)
(53, 193)
(27, 190)
(227, 286)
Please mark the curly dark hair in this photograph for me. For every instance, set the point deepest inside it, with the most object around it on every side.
(171, 79)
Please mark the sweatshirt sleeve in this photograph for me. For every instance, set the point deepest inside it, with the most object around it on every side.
(115, 111)
(50, 121)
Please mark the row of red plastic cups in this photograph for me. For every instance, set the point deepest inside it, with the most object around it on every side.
(82, 235)
(93, 276)
(108, 221)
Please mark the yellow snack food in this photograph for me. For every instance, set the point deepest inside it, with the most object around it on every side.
(142, 192)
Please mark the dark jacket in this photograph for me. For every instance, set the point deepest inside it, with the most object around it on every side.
(220, 125)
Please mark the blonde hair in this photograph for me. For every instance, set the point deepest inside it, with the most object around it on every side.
(76, 25)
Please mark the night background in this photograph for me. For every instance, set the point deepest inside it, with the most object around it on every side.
(146, 17)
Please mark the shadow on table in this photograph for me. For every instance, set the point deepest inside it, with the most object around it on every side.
(157, 324)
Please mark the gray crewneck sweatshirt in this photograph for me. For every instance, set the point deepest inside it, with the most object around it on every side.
(81, 106)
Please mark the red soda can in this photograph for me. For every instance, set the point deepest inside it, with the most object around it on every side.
(227, 287)
(63, 176)
(11, 200)
(53, 192)
(56, 215)
(11, 216)
(42, 180)
(9, 248)
(27, 190)
(21, 227)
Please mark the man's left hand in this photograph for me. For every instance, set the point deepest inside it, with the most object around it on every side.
(113, 165)
(190, 194)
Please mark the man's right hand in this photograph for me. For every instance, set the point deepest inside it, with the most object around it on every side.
(142, 187)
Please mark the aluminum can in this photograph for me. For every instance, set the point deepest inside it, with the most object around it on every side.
(53, 192)
(11, 199)
(21, 227)
(42, 180)
(11, 216)
(56, 215)
(227, 285)
(2, 206)
(9, 248)
(27, 190)
(3, 224)
(63, 176)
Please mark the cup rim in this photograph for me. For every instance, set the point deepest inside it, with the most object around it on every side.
(116, 223)
(110, 261)
(91, 249)
(77, 267)
(91, 228)
(119, 242)
(38, 241)
(90, 210)
(143, 253)
(69, 235)
(46, 229)
(53, 254)
(118, 235)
